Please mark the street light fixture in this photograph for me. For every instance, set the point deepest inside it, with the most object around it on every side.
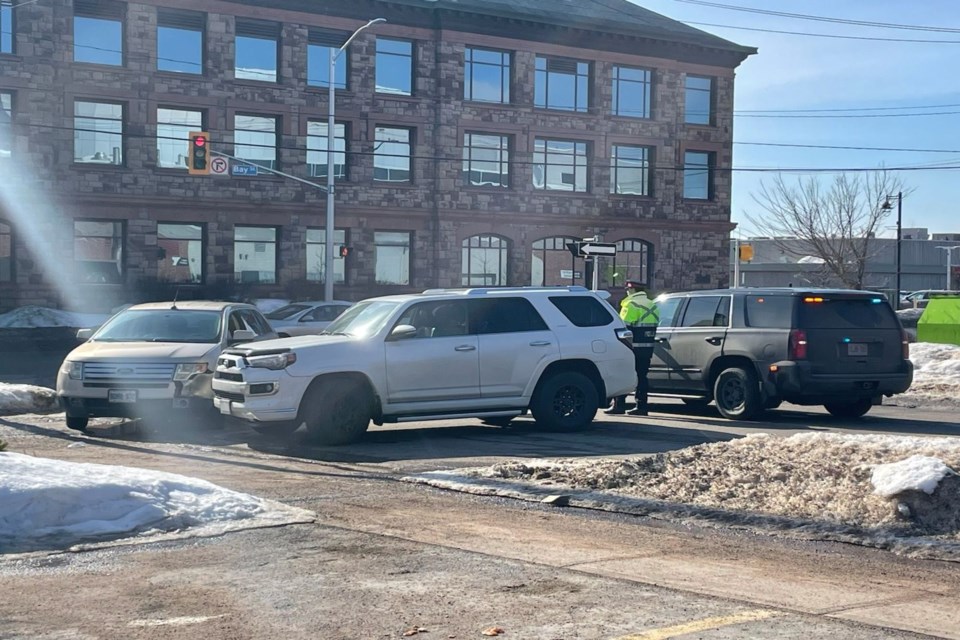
(949, 251)
(887, 207)
(331, 127)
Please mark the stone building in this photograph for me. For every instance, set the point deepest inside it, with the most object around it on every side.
(475, 139)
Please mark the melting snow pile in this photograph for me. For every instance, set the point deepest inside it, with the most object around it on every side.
(25, 398)
(936, 374)
(50, 504)
(32, 317)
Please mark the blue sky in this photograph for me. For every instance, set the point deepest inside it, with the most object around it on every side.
(801, 72)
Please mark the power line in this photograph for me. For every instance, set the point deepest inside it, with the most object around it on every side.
(843, 147)
(862, 115)
(824, 35)
(846, 109)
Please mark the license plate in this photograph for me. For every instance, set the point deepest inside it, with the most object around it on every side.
(122, 396)
(857, 349)
(225, 407)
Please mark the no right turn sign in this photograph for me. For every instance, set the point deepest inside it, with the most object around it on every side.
(219, 167)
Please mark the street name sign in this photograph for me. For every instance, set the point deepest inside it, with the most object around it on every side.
(243, 170)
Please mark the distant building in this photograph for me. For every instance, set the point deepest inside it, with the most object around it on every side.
(914, 233)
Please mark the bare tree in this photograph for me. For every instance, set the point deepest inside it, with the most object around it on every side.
(836, 224)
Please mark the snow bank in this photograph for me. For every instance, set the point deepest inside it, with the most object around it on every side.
(25, 398)
(916, 473)
(33, 317)
(53, 504)
(936, 376)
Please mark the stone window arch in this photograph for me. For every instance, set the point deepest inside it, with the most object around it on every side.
(551, 261)
(484, 261)
(634, 261)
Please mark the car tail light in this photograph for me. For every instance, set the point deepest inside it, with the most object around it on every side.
(625, 336)
(905, 344)
(798, 345)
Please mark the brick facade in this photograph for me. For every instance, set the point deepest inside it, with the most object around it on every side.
(688, 239)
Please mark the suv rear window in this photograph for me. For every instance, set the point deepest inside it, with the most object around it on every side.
(769, 312)
(847, 313)
(583, 311)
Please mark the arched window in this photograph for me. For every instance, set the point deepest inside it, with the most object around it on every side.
(6, 252)
(484, 261)
(634, 261)
(551, 264)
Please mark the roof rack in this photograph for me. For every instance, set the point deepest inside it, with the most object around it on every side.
(482, 291)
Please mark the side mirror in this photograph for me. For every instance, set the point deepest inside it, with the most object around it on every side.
(243, 335)
(84, 334)
(403, 331)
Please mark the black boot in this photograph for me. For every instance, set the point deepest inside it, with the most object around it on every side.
(619, 407)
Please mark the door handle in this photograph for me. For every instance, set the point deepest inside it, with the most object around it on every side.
(540, 343)
(465, 347)
(715, 341)
(661, 340)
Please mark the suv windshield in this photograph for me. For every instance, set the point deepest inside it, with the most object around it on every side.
(363, 319)
(847, 313)
(162, 325)
(287, 311)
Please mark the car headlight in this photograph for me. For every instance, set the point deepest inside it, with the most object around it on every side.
(275, 361)
(188, 370)
(73, 369)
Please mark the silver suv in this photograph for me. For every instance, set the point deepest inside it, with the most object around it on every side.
(484, 353)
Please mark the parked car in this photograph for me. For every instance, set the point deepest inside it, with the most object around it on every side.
(750, 349)
(920, 299)
(153, 358)
(305, 318)
(488, 353)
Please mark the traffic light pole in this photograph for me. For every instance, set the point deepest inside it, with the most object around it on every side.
(262, 168)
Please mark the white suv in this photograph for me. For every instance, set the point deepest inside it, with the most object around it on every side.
(472, 353)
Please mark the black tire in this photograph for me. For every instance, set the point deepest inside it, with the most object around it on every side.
(737, 394)
(565, 402)
(772, 403)
(276, 430)
(336, 411)
(78, 423)
(697, 403)
(856, 409)
(499, 421)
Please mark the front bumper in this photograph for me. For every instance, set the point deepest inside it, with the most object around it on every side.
(258, 395)
(796, 383)
(100, 399)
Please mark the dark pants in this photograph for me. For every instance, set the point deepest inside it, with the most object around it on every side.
(643, 341)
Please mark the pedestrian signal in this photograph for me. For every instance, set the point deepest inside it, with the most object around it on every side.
(746, 253)
(344, 251)
(198, 160)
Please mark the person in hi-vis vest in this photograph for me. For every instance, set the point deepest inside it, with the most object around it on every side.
(640, 314)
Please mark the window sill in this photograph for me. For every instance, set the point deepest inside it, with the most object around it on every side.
(700, 126)
(97, 166)
(477, 188)
(699, 200)
(182, 75)
(100, 66)
(248, 82)
(323, 91)
(616, 117)
(567, 112)
(395, 185)
(12, 57)
(564, 194)
(397, 96)
(632, 196)
(486, 104)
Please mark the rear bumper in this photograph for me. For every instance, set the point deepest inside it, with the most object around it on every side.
(794, 382)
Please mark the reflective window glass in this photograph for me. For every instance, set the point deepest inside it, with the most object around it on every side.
(180, 41)
(255, 139)
(698, 175)
(394, 66)
(181, 255)
(98, 40)
(321, 45)
(484, 262)
(562, 83)
(257, 50)
(317, 149)
(486, 75)
(391, 159)
(486, 160)
(630, 170)
(560, 165)
(699, 100)
(6, 26)
(98, 251)
(631, 92)
(392, 257)
(316, 262)
(255, 255)
(173, 135)
(98, 133)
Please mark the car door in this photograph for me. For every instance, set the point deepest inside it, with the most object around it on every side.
(441, 364)
(514, 341)
(697, 340)
(662, 362)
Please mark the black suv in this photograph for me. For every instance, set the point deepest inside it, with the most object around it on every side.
(751, 349)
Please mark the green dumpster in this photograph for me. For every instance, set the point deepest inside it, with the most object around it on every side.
(940, 321)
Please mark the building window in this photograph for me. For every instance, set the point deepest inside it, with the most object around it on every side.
(98, 32)
(562, 83)
(631, 92)
(6, 252)
(255, 255)
(180, 40)
(698, 175)
(258, 46)
(486, 76)
(699, 100)
(484, 262)
(630, 170)
(393, 257)
(173, 135)
(255, 139)
(322, 44)
(632, 262)
(6, 26)
(6, 124)
(394, 66)
(552, 262)
(316, 263)
(560, 165)
(98, 251)
(181, 253)
(391, 160)
(486, 160)
(98, 133)
(317, 150)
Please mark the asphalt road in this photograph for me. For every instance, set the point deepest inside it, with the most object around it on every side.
(385, 557)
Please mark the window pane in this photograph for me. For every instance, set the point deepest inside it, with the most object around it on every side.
(392, 257)
(630, 174)
(486, 160)
(255, 255)
(632, 262)
(551, 262)
(584, 311)
(6, 125)
(173, 129)
(255, 140)
(391, 161)
(6, 253)
(699, 100)
(97, 40)
(701, 311)
(316, 239)
(487, 76)
(256, 59)
(769, 312)
(98, 251)
(631, 92)
(317, 150)
(504, 315)
(179, 50)
(562, 84)
(182, 256)
(394, 66)
(318, 66)
(696, 175)
(98, 133)
(6, 26)
(560, 165)
(484, 262)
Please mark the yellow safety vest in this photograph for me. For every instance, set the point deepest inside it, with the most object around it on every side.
(639, 310)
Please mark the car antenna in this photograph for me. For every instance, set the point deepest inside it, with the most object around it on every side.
(175, 296)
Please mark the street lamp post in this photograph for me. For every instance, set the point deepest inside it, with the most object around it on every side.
(949, 251)
(887, 206)
(330, 230)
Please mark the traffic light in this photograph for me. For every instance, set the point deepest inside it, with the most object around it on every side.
(746, 253)
(198, 160)
(344, 251)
